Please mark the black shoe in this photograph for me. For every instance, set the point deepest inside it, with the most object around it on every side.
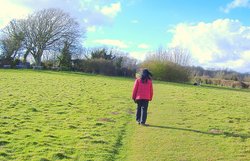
(138, 123)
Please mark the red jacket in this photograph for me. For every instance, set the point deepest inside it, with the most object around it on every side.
(142, 90)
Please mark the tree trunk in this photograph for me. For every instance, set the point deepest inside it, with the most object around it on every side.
(25, 56)
(38, 58)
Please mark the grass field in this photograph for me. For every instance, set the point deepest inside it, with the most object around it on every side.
(54, 116)
(192, 123)
(72, 116)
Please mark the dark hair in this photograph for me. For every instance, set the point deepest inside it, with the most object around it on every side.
(145, 75)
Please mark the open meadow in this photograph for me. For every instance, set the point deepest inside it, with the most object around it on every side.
(47, 116)
(54, 116)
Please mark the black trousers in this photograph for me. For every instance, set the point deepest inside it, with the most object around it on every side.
(142, 111)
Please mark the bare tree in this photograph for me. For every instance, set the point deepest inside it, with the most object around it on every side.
(179, 56)
(160, 54)
(11, 39)
(175, 55)
(48, 29)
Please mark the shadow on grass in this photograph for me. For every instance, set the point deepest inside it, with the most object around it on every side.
(226, 134)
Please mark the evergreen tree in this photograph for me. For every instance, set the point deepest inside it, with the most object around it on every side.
(65, 58)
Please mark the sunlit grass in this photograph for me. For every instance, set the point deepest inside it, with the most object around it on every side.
(53, 116)
(192, 123)
(73, 116)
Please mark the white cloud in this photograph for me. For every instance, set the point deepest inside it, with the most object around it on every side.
(143, 46)
(91, 29)
(130, 2)
(223, 43)
(235, 4)
(87, 12)
(95, 29)
(112, 42)
(139, 55)
(134, 21)
(111, 10)
(10, 10)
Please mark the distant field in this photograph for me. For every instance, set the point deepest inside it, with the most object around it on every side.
(54, 116)
(71, 116)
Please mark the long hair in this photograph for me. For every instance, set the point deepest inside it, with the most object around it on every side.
(145, 76)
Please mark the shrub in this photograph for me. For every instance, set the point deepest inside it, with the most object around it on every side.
(97, 66)
(167, 71)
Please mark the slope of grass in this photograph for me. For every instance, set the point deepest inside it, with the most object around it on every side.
(71, 116)
(192, 123)
(61, 116)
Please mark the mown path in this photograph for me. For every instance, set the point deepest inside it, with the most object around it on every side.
(192, 123)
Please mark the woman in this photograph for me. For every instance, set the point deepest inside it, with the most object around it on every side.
(142, 94)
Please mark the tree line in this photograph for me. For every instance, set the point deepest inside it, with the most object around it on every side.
(223, 77)
(53, 39)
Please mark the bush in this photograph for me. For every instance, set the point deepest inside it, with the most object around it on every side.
(247, 78)
(48, 64)
(167, 71)
(97, 66)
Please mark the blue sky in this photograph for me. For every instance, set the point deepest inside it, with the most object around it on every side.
(215, 32)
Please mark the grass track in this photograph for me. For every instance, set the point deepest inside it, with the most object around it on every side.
(192, 123)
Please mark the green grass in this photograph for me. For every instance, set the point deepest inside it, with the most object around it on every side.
(74, 116)
(192, 123)
(61, 116)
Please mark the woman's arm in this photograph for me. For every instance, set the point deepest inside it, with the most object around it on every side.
(151, 91)
(135, 89)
